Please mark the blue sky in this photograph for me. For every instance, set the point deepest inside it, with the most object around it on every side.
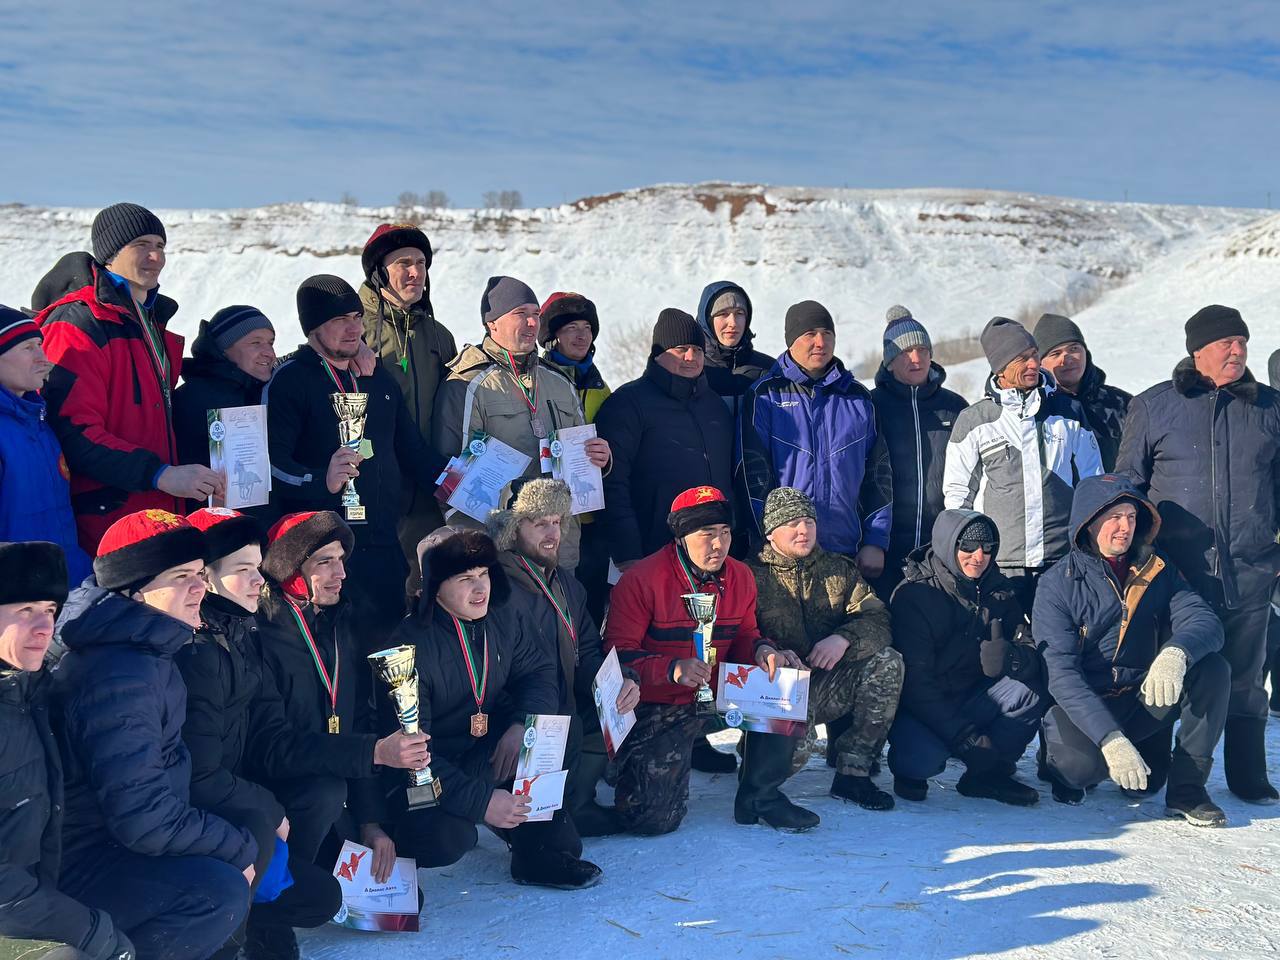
(178, 104)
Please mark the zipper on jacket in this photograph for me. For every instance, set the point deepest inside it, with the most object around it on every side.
(1213, 487)
(915, 412)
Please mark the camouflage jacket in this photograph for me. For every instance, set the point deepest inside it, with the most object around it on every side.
(802, 601)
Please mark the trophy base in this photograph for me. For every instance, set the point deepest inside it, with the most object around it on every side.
(705, 701)
(354, 514)
(424, 795)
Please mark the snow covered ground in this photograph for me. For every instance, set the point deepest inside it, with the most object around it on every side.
(952, 877)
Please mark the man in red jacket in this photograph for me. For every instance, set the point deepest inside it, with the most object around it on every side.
(115, 367)
(653, 633)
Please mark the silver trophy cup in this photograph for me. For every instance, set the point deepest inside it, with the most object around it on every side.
(352, 410)
(702, 608)
(396, 668)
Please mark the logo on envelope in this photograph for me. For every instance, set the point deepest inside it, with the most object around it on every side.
(738, 678)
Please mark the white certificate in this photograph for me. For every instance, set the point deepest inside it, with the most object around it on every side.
(749, 701)
(238, 451)
(369, 905)
(545, 792)
(605, 688)
(487, 473)
(546, 735)
(570, 463)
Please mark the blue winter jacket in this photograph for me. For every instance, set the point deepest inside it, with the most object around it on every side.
(1099, 636)
(821, 437)
(122, 703)
(35, 496)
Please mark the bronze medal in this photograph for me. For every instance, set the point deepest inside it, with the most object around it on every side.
(480, 725)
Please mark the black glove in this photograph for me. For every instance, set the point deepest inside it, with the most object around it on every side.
(995, 651)
(978, 753)
(104, 941)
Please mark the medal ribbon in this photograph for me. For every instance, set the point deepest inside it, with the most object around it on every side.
(330, 686)
(333, 375)
(546, 592)
(477, 688)
(155, 343)
(530, 395)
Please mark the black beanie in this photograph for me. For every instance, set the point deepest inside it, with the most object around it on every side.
(1214, 322)
(675, 328)
(805, 316)
(32, 571)
(1052, 331)
(323, 297)
(121, 224)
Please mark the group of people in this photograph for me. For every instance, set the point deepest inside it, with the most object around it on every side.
(192, 726)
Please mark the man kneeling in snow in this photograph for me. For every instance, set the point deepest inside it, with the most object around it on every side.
(1129, 647)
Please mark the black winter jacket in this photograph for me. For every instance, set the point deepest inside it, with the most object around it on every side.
(31, 908)
(209, 381)
(1104, 407)
(1097, 646)
(521, 680)
(1209, 459)
(916, 423)
(302, 433)
(730, 370)
(123, 703)
(667, 434)
(941, 619)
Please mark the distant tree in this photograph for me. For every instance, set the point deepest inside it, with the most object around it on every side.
(435, 200)
(349, 200)
(408, 200)
(503, 199)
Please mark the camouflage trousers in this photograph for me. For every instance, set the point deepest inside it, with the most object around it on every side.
(652, 791)
(857, 701)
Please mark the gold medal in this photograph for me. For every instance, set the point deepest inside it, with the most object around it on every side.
(333, 723)
(479, 725)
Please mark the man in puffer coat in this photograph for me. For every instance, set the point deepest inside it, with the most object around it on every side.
(1129, 647)
(973, 682)
(175, 878)
(33, 584)
(1204, 446)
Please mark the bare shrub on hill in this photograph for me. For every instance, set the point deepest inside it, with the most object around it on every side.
(502, 200)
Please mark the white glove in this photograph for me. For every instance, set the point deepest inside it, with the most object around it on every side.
(1124, 762)
(1163, 684)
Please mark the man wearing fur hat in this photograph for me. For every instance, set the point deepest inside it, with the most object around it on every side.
(33, 585)
(310, 467)
(652, 631)
(1016, 455)
(311, 659)
(816, 604)
(1204, 446)
(502, 389)
(415, 348)
(528, 535)
(480, 673)
(174, 877)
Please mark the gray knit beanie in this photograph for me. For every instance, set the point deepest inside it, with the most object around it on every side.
(1002, 340)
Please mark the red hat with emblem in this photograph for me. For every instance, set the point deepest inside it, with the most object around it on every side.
(295, 537)
(388, 237)
(696, 508)
(140, 546)
(226, 531)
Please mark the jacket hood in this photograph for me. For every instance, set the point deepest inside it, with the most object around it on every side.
(886, 381)
(94, 617)
(1273, 370)
(72, 272)
(1095, 494)
(714, 347)
(946, 540)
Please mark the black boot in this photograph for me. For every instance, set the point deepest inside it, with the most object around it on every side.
(909, 789)
(593, 820)
(1073, 796)
(1186, 796)
(1244, 760)
(265, 941)
(707, 759)
(860, 790)
(1273, 668)
(997, 785)
(558, 869)
(766, 763)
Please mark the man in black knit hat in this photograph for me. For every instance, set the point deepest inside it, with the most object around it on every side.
(310, 467)
(1204, 446)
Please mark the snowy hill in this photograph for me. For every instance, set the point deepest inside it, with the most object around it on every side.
(955, 257)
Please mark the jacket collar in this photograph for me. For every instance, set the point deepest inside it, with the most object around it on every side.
(208, 360)
(772, 558)
(1190, 382)
(678, 388)
(1019, 403)
(29, 406)
(836, 379)
(889, 383)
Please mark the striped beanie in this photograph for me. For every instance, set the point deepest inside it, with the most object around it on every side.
(231, 323)
(15, 326)
(903, 332)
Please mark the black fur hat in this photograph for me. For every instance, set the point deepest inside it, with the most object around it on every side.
(457, 554)
(32, 571)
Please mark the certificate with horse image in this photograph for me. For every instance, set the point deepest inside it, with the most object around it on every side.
(749, 700)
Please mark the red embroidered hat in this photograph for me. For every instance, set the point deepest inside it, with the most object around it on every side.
(696, 508)
(140, 546)
(295, 537)
(388, 237)
(226, 531)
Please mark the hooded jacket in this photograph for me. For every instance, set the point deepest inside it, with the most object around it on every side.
(35, 498)
(941, 619)
(109, 399)
(585, 377)
(122, 706)
(667, 433)
(1017, 457)
(821, 437)
(730, 370)
(1209, 459)
(209, 381)
(1104, 408)
(1100, 636)
(916, 422)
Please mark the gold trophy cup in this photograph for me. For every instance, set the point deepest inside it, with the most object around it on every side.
(352, 409)
(395, 667)
(702, 607)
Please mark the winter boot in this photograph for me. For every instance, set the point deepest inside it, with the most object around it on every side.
(1186, 796)
(1244, 760)
(909, 789)
(558, 869)
(707, 759)
(997, 785)
(269, 941)
(594, 820)
(860, 790)
(766, 762)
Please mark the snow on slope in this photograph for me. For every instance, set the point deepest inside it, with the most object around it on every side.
(955, 257)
